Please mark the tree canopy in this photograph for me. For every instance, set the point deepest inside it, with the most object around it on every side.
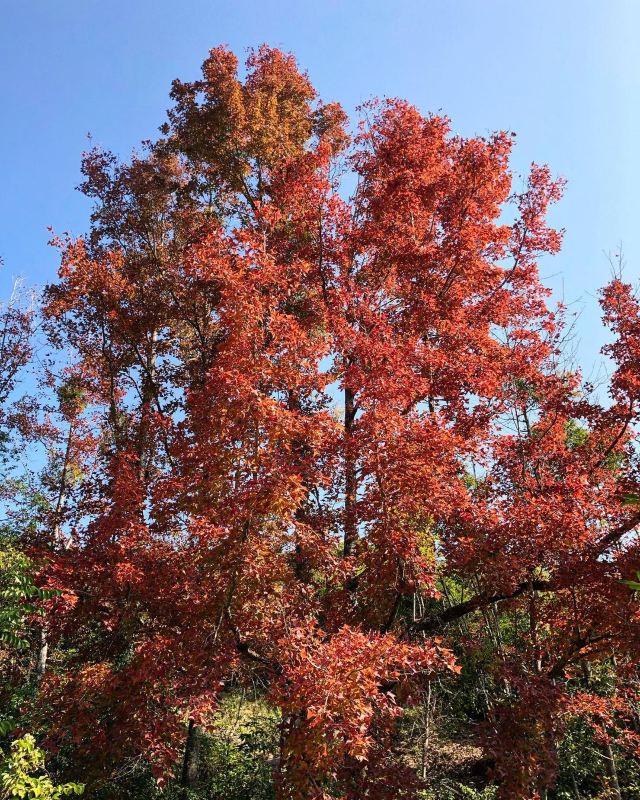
(312, 432)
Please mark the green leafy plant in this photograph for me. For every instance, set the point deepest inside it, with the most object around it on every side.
(17, 596)
(17, 778)
(236, 757)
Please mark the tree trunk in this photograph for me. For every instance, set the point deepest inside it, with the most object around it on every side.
(612, 772)
(350, 494)
(574, 786)
(57, 540)
(43, 652)
(190, 763)
(147, 397)
(609, 758)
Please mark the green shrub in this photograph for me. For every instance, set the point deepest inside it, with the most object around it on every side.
(17, 778)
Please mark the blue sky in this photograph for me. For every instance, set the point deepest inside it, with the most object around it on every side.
(564, 75)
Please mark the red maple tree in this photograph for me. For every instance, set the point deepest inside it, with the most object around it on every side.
(311, 412)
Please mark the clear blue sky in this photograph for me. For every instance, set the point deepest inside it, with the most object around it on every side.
(564, 75)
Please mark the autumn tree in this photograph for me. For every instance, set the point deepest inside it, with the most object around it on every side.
(309, 413)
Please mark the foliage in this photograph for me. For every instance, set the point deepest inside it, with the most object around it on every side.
(460, 791)
(17, 778)
(18, 594)
(432, 587)
(238, 753)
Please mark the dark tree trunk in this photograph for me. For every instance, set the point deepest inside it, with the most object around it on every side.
(350, 521)
(190, 763)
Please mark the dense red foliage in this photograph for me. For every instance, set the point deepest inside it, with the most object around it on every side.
(237, 526)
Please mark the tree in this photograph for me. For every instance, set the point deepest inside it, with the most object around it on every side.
(237, 527)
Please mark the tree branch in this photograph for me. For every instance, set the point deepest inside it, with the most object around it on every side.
(437, 621)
